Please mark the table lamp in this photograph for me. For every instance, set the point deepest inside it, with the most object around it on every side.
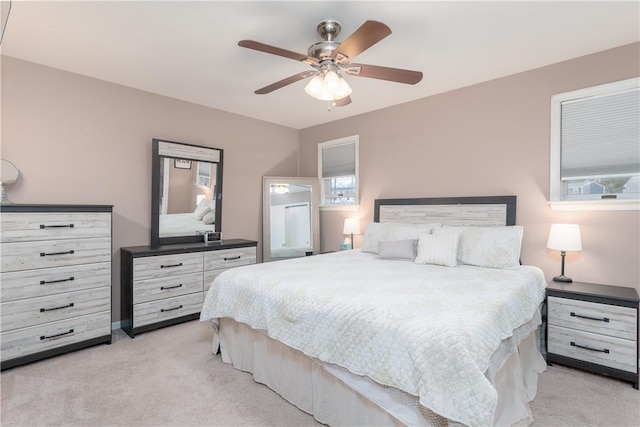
(351, 227)
(564, 238)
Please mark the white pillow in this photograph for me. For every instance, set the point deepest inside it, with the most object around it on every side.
(398, 249)
(201, 210)
(209, 217)
(438, 249)
(493, 247)
(389, 231)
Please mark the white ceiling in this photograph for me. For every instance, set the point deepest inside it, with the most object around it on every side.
(188, 50)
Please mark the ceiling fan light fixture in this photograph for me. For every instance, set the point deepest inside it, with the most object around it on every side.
(328, 86)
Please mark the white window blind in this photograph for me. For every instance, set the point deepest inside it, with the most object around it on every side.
(600, 135)
(339, 160)
(338, 173)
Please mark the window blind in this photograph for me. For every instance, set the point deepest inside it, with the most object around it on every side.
(600, 136)
(339, 160)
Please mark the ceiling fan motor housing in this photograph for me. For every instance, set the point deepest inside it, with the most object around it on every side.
(328, 30)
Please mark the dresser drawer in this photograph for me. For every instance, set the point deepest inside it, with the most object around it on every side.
(595, 348)
(210, 276)
(21, 342)
(24, 227)
(156, 267)
(593, 317)
(227, 258)
(49, 253)
(155, 289)
(50, 281)
(35, 311)
(169, 308)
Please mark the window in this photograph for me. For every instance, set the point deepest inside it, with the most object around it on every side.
(338, 172)
(595, 147)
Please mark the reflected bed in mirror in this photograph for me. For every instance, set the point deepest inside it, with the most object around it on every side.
(290, 222)
(186, 199)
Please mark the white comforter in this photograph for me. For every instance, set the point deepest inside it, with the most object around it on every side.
(427, 330)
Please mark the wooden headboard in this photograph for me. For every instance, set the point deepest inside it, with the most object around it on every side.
(463, 211)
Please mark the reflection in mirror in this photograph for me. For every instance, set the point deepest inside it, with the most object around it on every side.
(186, 192)
(290, 217)
(183, 190)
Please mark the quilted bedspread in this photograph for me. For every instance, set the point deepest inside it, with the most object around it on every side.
(427, 330)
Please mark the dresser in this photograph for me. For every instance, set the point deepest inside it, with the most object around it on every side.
(165, 285)
(594, 327)
(56, 280)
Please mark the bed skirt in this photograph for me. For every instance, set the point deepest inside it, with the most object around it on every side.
(334, 396)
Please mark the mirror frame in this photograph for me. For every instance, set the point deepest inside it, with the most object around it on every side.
(162, 148)
(267, 181)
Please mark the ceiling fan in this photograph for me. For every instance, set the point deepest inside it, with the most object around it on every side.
(330, 59)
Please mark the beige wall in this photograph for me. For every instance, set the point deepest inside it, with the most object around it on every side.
(488, 139)
(80, 140)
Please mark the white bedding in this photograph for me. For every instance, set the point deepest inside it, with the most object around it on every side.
(429, 331)
(182, 224)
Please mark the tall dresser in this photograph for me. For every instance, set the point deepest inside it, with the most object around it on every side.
(56, 280)
(165, 285)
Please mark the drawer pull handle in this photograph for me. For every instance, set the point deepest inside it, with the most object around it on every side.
(44, 337)
(164, 288)
(604, 319)
(71, 252)
(232, 258)
(171, 265)
(43, 226)
(171, 309)
(42, 310)
(605, 350)
(45, 282)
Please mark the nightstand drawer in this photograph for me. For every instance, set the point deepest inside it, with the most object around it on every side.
(614, 321)
(599, 349)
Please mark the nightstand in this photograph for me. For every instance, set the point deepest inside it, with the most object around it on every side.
(593, 327)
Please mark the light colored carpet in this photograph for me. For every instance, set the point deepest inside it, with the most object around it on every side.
(169, 377)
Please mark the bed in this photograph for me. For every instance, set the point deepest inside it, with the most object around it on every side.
(373, 337)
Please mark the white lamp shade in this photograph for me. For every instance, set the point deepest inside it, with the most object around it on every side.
(565, 237)
(351, 226)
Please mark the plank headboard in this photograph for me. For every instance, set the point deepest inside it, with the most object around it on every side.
(488, 211)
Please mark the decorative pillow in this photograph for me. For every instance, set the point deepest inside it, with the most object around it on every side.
(397, 249)
(201, 210)
(438, 249)
(209, 217)
(389, 231)
(493, 247)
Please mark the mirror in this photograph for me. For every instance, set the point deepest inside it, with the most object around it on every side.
(186, 192)
(290, 217)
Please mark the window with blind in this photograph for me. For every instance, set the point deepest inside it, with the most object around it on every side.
(338, 172)
(595, 147)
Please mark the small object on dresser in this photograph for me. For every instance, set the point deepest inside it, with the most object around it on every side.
(212, 236)
(345, 246)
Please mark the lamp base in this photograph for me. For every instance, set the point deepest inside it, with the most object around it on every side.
(562, 279)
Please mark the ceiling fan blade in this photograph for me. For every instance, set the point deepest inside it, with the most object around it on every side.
(261, 47)
(285, 82)
(342, 101)
(369, 33)
(384, 73)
